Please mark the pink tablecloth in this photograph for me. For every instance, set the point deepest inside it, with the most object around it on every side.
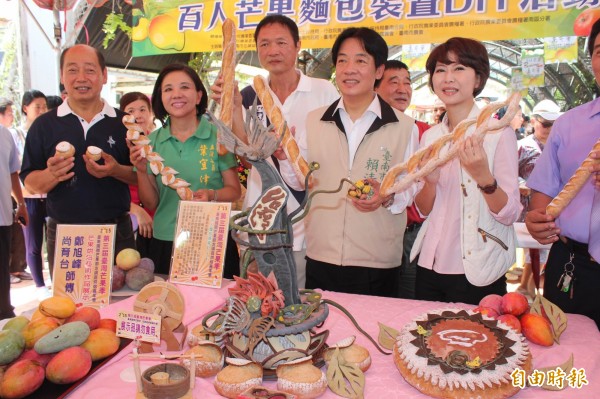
(383, 379)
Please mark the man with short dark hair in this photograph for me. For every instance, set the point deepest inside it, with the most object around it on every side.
(575, 232)
(354, 244)
(395, 87)
(277, 44)
(80, 190)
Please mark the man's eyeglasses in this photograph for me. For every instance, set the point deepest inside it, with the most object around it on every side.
(545, 123)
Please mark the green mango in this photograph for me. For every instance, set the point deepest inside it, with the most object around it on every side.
(11, 346)
(16, 324)
(71, 334)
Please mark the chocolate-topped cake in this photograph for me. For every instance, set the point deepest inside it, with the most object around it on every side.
(454, 353)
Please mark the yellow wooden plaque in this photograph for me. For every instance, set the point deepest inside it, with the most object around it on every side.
(200, 243)
(83, 260)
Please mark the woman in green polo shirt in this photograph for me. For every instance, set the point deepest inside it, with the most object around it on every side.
(187, 142)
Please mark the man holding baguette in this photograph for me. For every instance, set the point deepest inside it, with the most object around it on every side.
(572, 270)
(295, 94)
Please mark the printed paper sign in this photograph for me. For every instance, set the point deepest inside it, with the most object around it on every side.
(200, 243)
(139, 326)
(83, 260)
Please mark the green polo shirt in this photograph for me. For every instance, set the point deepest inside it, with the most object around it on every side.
(197, 162)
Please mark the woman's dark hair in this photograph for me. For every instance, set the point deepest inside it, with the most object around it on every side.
(157, 105)
(131, 97)
(53, 102)
(468, 52)
(29, 96)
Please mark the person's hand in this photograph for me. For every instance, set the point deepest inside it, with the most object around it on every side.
(216, 89)
(474, 160)
(21, 214)
(373, 203)
(279, 153)
(136, 158)
(595, 169)
(524, 190)
(541, 226)
(201, 195)
(144, 224)
(101, 171)
(60, 167)
(434, 176)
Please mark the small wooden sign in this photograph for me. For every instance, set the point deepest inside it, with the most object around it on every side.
(139, 326)
(83, 260)
(200, 243)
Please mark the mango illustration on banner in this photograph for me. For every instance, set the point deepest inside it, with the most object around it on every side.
(584, 21)
(164, 34)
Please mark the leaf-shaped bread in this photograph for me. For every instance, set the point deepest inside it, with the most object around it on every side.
(387, 336)
(553, 313)
(345, 379)
(566, 367)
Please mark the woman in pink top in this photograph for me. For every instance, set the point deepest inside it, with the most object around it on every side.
(467, 242)
(138, 105)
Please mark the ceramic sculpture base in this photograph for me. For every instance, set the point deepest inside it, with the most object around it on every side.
(282, 343)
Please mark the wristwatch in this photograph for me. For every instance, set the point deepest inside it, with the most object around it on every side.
(490, 188)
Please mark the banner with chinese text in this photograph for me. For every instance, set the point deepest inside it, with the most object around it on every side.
(200, 243)
(170, 26)
(83, 261)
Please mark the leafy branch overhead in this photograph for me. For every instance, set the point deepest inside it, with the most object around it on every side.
(112, 24)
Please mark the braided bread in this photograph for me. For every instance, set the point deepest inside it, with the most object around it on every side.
(228, 73)
(430, 157)
(156, 161)
(574, 185)
(290, 147)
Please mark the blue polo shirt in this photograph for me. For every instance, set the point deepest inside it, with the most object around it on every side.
(83, 198)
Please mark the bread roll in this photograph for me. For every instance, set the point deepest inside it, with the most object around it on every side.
(64, 149)
(290, 147)
(94, 153)
(574, 185)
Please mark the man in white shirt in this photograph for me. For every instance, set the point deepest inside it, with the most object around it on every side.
(278, 43)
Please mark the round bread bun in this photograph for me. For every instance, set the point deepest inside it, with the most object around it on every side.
(208, 359)
(238, 376)
(300, 377)
(65, 149)
(94, 153)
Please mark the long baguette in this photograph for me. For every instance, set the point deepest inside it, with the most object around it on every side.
(574, 185)
(228, 74)
(290, 147)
